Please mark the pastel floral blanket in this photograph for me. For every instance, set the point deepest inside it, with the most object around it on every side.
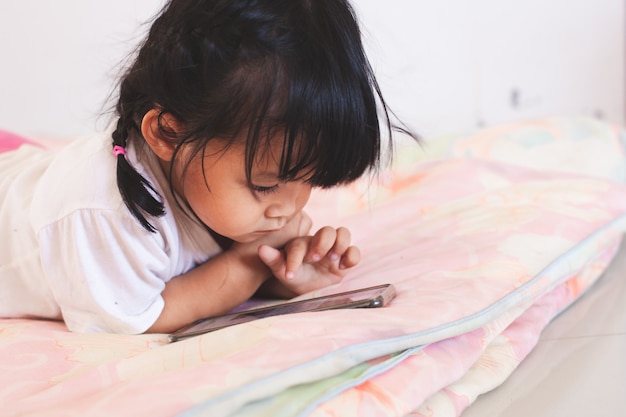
(486, 238)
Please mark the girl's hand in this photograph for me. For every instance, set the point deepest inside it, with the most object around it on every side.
(300, 225)
(307, 263)
(227, 280)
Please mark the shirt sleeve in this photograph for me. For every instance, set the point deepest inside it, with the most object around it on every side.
(106, 272)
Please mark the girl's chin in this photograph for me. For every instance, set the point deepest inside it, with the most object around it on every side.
(249, 238)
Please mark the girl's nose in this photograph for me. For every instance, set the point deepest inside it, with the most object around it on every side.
(281, 208)
(289, 200)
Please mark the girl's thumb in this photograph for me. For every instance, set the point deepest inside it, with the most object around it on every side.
(273, 258)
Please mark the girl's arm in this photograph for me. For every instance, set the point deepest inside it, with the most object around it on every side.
(211, 289)
(224, 281)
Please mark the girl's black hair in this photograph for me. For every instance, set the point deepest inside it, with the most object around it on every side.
(250, 70)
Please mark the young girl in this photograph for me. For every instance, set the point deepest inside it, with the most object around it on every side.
(232, 111)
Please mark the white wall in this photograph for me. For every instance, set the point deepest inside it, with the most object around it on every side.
(59, 60)
(450, 65)
(444, 65)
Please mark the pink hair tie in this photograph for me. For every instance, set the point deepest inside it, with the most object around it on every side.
(119, 150)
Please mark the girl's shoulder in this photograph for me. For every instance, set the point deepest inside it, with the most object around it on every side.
(80, 176)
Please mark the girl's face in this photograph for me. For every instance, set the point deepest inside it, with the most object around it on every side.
(216, 189)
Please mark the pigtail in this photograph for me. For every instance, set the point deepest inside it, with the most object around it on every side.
(138, 194)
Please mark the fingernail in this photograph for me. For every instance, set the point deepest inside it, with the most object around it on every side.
(316, 257)
(334, 257)
(290, 275)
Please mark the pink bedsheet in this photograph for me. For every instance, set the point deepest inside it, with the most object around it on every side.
(483, 244)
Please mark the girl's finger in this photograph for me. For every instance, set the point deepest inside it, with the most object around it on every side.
(350, 258)
(342, 243)
(295, 251)
(321, 243)
(305, 224)
(274, 259)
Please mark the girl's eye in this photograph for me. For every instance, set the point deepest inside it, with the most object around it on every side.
(264, 190)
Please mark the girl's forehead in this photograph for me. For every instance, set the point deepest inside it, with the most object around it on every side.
(266, 154)
(276, 155)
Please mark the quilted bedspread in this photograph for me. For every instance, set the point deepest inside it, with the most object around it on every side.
(485, 236)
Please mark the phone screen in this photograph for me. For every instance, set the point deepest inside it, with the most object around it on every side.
(371, 297)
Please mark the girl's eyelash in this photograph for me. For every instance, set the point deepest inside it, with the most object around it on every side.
(264, 190)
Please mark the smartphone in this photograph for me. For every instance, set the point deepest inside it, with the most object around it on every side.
(370, 297)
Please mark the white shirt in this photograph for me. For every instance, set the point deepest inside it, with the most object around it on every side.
(70, 247)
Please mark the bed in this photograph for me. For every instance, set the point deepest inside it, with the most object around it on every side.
(577, 367)
(487, 237)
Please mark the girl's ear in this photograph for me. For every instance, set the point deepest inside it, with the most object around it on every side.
(161, 144)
